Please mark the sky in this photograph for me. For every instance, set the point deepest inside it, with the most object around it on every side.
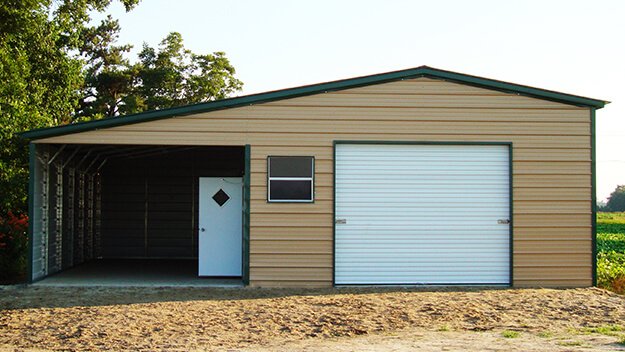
(574, 47)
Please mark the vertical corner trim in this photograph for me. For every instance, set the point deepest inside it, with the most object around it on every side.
(333, 213)
(593, 192)
(511, 210)
(246, 216)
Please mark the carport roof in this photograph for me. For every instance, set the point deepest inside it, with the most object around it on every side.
(421, 71)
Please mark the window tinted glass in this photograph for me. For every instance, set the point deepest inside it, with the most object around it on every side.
(290, 166)
(290, 190)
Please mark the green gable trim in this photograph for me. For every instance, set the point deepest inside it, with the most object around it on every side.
(422, 71)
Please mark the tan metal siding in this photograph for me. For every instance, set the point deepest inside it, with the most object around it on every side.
(291, 244)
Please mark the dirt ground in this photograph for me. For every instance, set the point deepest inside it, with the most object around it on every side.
(346, 319)
(425, 340)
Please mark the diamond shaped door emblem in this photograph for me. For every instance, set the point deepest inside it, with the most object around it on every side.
(221, 197)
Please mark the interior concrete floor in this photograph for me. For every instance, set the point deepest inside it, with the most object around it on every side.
(136, 273)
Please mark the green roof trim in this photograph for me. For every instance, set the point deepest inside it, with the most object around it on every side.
(422, 71)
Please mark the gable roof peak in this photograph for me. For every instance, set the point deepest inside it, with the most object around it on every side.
(258, 98)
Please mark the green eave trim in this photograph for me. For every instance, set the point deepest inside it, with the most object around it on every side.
(422, 71)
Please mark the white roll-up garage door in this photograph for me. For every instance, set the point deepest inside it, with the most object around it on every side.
(422, 214)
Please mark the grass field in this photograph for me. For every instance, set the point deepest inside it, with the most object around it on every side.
(611, 251)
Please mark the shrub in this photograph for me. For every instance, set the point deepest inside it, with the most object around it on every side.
(611, 251)
(509, 334)
(611, 270)
(13, 247)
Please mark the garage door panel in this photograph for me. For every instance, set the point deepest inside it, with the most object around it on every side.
(365, 223)
(366, 183)
(477, 262)
(422, 214)
(390, 212)
(451, 234)
(426, 193)
(433, 164)
(382, 178)
(421, 242)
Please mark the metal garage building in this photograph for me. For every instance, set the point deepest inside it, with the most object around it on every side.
(420, 176)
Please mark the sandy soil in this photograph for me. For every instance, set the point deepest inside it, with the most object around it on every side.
(425, 340)
(45, 318)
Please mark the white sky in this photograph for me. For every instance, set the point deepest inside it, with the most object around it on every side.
(570, 46)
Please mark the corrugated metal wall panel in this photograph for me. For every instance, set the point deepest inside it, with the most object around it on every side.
(422, 214)
(551, 160)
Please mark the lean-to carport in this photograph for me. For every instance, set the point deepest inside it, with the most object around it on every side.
(127, 202)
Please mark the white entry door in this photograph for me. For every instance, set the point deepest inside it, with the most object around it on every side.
(220, 226)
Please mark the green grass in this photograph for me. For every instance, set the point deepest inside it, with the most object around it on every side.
(614, 330)
(509, 334)
(545, 334)
(569, 343)
(611, 251)
(608, 330)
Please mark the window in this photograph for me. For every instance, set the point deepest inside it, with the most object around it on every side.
(290, 178)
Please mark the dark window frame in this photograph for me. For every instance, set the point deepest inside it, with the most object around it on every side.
(310, 179)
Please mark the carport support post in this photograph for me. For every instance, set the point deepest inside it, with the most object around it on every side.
(56, 210)
(38, 209)
(32, 159)
(98, 211)
(91, 200)
(80, 238)
(45, 208)
(58, 220)
(90, 212)
(69, 209)
(71, 193)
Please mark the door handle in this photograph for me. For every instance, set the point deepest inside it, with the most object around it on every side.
(202, 229)
(503, 221)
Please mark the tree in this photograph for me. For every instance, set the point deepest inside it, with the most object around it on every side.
(602, 206)
(164, 77)
(172, 75)
(616, 201)
(56, 68)
(108, 77)
(40, 77)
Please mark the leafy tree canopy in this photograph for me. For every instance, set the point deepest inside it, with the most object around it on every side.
(616, 201)
(164, 77)
(172, 75)
(57, 68)
(39, 78)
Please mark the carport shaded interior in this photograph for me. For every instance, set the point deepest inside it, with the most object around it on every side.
(136, 273)
(122, 202)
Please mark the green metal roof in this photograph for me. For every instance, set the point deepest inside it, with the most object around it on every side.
(421, 71)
